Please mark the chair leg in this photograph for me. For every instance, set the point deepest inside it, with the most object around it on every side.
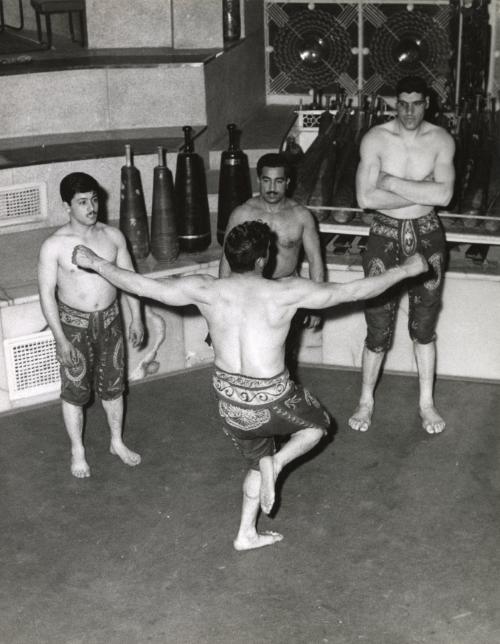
(82, 28)
(48, 26)
(71, 30)
(38, 28)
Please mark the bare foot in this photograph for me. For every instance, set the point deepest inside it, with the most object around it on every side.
(258, 540)
(79, 466)
(362, 417)
(127, 456)
(431, 420)
(267, 480)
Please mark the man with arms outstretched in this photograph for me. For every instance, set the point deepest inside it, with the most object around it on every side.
(83, 314)
(248, 319)
(406, 169)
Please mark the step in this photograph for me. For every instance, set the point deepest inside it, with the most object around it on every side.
(73, 146)
(101, 99)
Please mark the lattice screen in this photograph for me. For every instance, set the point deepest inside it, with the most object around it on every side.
(23, 203)
(355, 46)
(32, 368)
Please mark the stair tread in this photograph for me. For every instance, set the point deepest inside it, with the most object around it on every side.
(51, 148)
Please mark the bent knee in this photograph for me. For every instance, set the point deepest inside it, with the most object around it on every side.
(314, 434)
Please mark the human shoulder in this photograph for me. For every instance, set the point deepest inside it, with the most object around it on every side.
(56, 240)
(299, 211)
(439, 132)
(113, 233)
(377, 136)
(246, 211)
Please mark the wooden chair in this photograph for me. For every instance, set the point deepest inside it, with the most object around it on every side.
(48, 8)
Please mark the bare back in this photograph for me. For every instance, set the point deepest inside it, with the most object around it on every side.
(78, 288)
(248, 324)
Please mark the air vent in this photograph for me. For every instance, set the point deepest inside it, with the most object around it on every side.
(32, 367)
(23, 203)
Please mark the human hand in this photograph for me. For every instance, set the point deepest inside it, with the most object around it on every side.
(136, 333)
(83, 256)
(312, 321)
(66, 353)
(415, 264)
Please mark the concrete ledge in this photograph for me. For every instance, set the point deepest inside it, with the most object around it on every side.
(72, 146)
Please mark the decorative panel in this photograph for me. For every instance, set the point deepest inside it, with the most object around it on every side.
(358, 47)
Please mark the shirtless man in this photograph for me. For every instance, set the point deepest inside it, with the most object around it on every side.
(83, 314)
(406, 169)
(248, 318)
(293, 225)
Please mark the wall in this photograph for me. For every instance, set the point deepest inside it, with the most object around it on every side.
(197, 24)
(100, 99)
(129, 23)
(235, 82)
(495, 57)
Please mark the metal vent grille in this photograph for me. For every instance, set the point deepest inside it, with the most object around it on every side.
(32, 368)
(23, 203)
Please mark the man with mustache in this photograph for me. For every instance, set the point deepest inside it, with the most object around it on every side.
(84, 316)
(295, 231)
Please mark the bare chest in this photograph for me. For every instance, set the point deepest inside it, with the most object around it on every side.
(414, 160)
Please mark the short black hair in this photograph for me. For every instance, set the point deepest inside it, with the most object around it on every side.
(410, 84)
(77, 182)
(273, 160)
(245, 244)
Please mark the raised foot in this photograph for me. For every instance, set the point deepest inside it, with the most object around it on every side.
(267, 481)
(362, 417)
(259, 540)
(431, 420)
(79, 467)
(125, 454)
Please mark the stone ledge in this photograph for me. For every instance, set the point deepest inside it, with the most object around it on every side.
(73, 146)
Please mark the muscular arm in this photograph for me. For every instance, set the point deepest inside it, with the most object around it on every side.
(369, 193)
(312, 248)
(435, 192)
(173, 291)
(320, 296)
(47, 284)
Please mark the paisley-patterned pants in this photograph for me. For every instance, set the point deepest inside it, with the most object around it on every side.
(390, 242)
(98, 339)
(255, 410)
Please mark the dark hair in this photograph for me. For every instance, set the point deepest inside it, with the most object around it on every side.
(245, 244)
(410, 84)
(77, 182)
(273, 160)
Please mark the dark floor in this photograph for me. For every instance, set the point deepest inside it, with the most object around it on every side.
(391, 537)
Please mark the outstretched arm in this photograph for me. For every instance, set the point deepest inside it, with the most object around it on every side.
(320, 296)
(174, 291)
